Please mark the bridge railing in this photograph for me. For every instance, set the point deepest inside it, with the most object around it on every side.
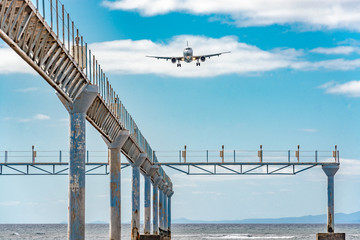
(205, 156)
(49, 156)
(54, 13)
(255, 156)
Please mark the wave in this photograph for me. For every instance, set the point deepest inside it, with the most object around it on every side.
(245, 236)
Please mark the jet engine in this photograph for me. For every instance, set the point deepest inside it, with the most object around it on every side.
(173, 60)
(202, 58)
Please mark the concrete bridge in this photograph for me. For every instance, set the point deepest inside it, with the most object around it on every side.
(42, 33)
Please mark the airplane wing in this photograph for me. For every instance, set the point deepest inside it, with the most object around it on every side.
(209, 55)
(167, 58)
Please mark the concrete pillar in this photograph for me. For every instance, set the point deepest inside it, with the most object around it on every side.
(161, 212)
(165, 212)
(169, 214)
(77, 111)
(155, 210)
(114, 153)
(135, 220)
(330, 171)
(147, 210)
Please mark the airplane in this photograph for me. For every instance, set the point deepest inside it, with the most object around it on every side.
(188, 57)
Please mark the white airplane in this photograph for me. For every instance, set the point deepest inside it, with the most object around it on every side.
(188, 57)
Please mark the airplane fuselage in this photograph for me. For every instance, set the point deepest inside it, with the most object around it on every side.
(188, 55)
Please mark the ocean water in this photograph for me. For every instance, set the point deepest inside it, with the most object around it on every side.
(184, 231)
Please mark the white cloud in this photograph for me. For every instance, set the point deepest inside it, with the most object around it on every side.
(337, 50)
(349, 168)
(26, 90)
(128, 57)
(338, 64)
(350, 89)
(10, 62)
(308, 130)
(329, 14)
(10, 203)
(41, 117)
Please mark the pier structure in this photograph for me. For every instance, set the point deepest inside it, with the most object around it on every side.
(44, 36)
(225, 162)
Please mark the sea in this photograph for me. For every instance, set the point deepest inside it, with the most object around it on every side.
(184, 231)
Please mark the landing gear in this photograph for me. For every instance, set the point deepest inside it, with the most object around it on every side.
(198, 64)
(178, 65)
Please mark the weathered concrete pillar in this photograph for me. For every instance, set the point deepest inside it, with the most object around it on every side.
(135, 220)
(169, 212)
(147, 209)
(156, 205)
(165, 228)
(77, 110)
(155, 210)
(161, 211)
(330, 171)
(114, 153)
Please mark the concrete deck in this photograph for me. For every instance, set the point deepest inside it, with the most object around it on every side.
(330, 236)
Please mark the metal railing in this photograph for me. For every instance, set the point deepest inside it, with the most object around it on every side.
(185, 156)
(251, 156)
(53, 11)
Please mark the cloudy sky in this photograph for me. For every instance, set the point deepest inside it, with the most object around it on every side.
(292, 77)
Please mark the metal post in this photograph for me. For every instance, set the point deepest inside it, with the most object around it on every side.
(330, 171)
(57, 18)
(60, 156)
(155, 210)
(43, 3)
(289, 156)
(114, 158)
(33, 154)
(6, 156)
(147, 212)
(77, 110)
(51, 14)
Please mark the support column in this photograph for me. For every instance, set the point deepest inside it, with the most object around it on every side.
(114, 158)
(147, 210)
(77, 110)
(165, 212)
(330, 171)
(135, 220)
(161, 212)
(155, 210)
(169, 213)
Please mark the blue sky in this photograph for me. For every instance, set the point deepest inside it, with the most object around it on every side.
(291, 78)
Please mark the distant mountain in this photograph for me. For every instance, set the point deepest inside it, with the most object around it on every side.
(340, 218)
(98, 222)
